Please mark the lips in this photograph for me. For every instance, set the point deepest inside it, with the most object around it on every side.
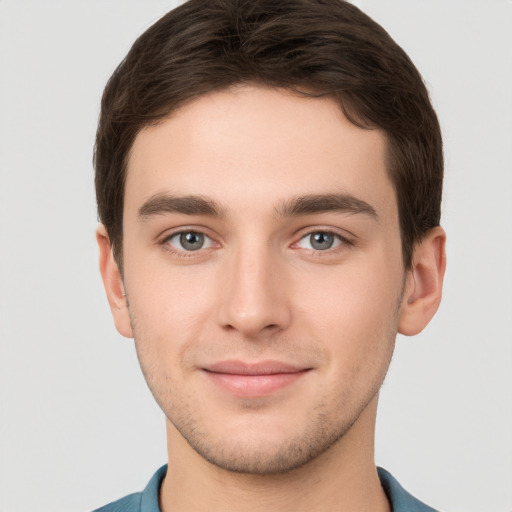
(253, 379)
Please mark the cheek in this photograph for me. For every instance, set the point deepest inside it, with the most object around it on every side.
(168, 307)
(351, 308)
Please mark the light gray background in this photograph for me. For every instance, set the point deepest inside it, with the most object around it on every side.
(78, 427)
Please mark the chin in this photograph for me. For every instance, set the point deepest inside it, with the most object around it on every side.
(245, 451)
(255, 461)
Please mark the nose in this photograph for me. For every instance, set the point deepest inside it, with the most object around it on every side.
(254, 294)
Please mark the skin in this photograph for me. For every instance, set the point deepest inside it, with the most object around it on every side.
(257, 164)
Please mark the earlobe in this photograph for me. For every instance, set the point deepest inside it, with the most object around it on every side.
(424, 283)
(113, 283)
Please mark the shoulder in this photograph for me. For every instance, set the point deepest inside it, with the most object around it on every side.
(400, 499)
(130, 503)
(145, 501)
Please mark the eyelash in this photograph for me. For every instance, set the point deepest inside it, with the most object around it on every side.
(344, 243)
(342, 240)
(183, 253)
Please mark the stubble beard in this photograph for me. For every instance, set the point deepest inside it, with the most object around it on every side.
(244, 458)
(322, 431)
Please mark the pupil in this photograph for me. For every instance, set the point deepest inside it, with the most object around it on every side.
(322, 241)
(192, 241)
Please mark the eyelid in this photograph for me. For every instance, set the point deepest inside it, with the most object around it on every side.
(343, 234)
(163, 241)
(178, 235)
(347, 239)
(338, 240)
(170, 232)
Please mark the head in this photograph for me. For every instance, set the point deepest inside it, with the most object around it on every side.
(268, 180)
(325, 48)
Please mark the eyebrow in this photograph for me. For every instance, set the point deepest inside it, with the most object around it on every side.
(302, 205)
(187, 205)
(320, 203)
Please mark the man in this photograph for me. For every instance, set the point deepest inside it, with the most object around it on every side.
(269, 177)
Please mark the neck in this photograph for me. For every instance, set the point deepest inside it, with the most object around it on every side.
(342, 478)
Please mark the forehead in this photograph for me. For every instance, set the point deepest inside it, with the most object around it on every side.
(257, 143)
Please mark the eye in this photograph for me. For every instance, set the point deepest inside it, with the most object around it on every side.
(189, 241)
(320, 241)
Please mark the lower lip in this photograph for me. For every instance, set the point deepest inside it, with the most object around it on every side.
(254, 385)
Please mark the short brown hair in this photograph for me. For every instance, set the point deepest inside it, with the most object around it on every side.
(326, 47)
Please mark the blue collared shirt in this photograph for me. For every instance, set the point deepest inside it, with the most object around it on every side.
(147, 500)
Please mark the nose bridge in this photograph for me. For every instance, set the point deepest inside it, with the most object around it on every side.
(253, 298)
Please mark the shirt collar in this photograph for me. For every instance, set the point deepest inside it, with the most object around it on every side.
(399, 498)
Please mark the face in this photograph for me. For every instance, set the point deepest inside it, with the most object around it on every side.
(263, 274)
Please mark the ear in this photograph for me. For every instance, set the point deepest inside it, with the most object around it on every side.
(424, 283)
(114, 285)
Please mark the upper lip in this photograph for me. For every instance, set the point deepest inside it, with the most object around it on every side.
(259, 368)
